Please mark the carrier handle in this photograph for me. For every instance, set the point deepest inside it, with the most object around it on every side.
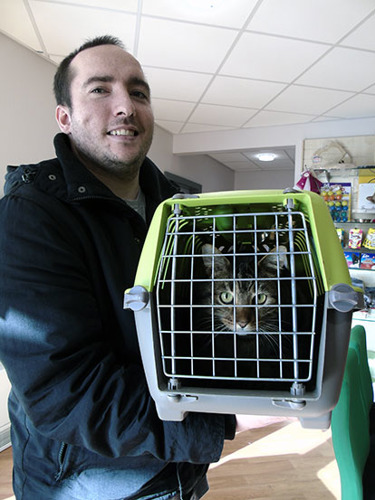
(136, 298)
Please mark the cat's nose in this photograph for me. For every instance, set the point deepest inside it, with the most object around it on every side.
(242, 324)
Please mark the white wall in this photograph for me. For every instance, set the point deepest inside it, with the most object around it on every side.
(212, 175)
(269, 179)
(27, 106)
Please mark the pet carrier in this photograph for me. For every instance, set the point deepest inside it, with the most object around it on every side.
(243, 304)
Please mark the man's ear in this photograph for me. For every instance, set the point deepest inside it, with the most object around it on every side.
(63, 118)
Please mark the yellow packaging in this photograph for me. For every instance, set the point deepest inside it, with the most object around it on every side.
(370, 239)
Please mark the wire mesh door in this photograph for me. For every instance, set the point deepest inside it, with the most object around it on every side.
(237, 298)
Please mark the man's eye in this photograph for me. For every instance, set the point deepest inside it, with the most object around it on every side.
(140, 95)
(98, 90)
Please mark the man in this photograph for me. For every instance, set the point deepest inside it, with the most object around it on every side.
(83, 423)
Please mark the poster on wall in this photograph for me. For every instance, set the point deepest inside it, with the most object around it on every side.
(339, 153)
(366, 198)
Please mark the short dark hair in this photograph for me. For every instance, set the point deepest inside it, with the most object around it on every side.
(64, 75)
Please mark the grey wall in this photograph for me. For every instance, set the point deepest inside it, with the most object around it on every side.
(27, 105)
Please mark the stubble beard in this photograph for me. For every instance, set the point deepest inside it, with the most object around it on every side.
(101, 162)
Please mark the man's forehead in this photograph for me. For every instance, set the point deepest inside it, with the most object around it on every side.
(105, 59)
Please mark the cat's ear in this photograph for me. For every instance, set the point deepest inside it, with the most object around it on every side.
(212, 255)
(208, 251)
(283, 257)
(276, 258)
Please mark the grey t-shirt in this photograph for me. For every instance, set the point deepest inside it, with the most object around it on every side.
(139, 204)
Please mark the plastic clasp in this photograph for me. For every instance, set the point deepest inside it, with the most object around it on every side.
(343, 298)
(136, 298)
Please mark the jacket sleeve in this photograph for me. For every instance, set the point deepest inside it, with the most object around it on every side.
(63, 370)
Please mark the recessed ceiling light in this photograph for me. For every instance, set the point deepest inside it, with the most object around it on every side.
(266, 156)
(204, 4)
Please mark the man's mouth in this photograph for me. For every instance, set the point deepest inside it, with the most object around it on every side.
(122, 131)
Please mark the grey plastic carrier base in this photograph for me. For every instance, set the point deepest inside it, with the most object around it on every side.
(313, 408)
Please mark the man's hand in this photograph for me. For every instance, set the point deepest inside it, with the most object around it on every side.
(248, 422)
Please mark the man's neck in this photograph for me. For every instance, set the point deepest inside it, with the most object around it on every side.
(124, 186)
(126, 189)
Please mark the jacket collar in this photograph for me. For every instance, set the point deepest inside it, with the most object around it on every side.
(81, 183)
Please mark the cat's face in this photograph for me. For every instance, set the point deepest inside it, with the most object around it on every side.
(244, 304)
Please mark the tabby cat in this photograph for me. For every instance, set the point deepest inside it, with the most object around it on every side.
(242, 295)
(239, 293)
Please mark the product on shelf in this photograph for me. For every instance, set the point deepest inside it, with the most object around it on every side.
(340, 234)
(367, 261)
(337, 198)
(370, 239)
(353, 259)
(355, 238)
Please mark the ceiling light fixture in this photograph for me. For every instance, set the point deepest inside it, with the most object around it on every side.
(266, 156)
(204, 4)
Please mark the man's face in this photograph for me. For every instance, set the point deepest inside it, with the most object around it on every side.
(110, 122)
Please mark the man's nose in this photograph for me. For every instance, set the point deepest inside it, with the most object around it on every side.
(124, 105)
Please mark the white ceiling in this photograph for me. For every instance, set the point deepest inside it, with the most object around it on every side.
(217, 65)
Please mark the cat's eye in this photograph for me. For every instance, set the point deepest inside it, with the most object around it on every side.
(262, 297)
(226, 297)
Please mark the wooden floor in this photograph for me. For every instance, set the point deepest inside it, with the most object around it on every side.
(280, 462)
(6, 475)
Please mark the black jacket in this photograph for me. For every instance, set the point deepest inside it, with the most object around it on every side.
(79, 406)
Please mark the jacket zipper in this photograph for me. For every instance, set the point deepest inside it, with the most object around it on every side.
(61, 461)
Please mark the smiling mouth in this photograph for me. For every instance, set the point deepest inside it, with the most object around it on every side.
(124, 132)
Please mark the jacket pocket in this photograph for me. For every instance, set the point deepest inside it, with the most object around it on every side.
(61, 461)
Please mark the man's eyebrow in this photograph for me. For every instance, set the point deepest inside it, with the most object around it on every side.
(98, 78)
